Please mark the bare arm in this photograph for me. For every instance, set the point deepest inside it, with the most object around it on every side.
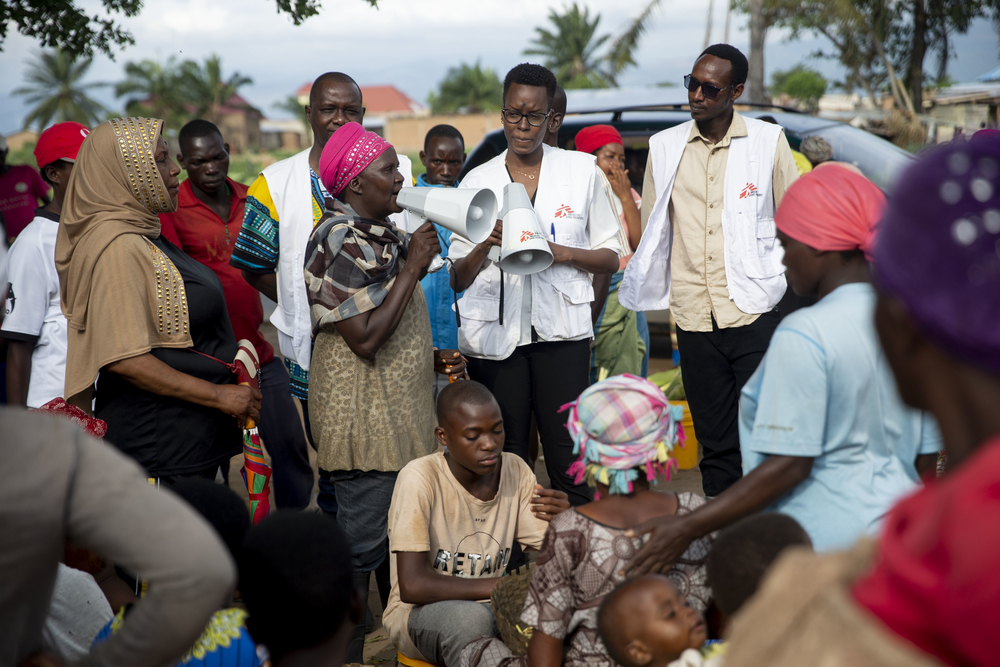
(602, 260)
(602, 283)
(150, 374)
(465, 270)
(420, 584)
(544, 651)
(366, 333)
(19, 369)
(671, 535)
(265, 283)
(620, 185)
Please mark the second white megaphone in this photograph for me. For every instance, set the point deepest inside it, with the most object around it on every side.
(469, 213)
(525, 249)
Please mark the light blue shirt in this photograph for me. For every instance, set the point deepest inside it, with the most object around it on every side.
(438, 292)
(824, 390)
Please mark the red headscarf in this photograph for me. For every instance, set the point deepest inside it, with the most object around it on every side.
(832, 209)
(589, 139)
(348, 153)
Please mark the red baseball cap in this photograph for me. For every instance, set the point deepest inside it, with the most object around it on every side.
(62, 141)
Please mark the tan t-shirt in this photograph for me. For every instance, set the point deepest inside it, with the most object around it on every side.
(462, 535)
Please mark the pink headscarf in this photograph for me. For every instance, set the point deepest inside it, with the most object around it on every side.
(832, 209)
(348, 153)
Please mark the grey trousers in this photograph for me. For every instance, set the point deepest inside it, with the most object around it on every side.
(441, 630)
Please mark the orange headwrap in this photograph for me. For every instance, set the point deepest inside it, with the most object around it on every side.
(832, 209)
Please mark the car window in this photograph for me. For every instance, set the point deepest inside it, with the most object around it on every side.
(877, 159)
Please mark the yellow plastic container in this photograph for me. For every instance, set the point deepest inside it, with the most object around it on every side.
(687, 456)
(412, 662)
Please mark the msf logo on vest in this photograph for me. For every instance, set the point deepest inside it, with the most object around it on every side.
(475, 555)
(749, 190)
(565, 211)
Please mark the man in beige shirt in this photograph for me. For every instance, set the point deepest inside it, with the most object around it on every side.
(717, 260)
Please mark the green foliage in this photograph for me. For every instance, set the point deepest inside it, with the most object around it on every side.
(56, 92)
(621, 56)
(468, 88)
(801, 83)
(178, 92)
(24, 155)
(65, 24)
(571, 50)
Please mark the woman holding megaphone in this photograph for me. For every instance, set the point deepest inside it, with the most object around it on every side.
(527, 337)
(373, 356)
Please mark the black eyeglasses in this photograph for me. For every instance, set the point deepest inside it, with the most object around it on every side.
(707, 89)
(514, 117)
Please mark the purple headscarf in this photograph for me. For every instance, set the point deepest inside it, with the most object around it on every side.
(939, 248)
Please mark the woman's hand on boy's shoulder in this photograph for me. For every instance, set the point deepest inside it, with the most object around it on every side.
(546, 503)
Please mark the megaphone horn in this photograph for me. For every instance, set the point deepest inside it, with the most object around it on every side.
(525, 249)
(470, 213)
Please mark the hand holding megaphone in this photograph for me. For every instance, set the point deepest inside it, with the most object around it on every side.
(467, 212)
(423, 247)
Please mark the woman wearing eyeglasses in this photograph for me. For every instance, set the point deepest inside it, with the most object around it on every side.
(709, 251)
(527, 338)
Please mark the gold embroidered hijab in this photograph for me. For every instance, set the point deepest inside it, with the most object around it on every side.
(121, 295)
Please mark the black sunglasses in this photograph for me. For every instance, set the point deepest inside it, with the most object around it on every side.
(707, 89)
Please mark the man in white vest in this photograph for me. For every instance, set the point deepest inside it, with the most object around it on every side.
(283, 205)
(709, 251)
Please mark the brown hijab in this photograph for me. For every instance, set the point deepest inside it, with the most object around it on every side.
(121, 295)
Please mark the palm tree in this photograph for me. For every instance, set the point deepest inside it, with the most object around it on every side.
(571, 51)
(56, 92)
(205, 89)
(152, 90)
(291, 105)
(469, 88)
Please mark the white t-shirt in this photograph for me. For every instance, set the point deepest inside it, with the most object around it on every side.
(462, 535)
(32, 307)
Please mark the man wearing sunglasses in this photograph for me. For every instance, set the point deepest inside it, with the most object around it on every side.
(709, 251)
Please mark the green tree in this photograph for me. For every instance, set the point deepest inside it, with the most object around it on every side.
(67, 24)
(470, 88)
(153, 89)
(291, 105)
(571, 50)
(56, 90)
(800, 83)
(205, 90)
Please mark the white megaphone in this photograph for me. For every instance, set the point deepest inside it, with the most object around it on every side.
(525, 249)
(469, 213)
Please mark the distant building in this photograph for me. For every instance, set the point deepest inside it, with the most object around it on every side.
(968, 106)
(381, 103)
(283, 135)
(239, 122)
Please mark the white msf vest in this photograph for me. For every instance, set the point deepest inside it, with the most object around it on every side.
(561, 294)
(290, 185)
(754, 272)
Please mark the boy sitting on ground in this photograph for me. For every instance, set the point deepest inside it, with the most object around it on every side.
(646, 622)
(743, 553)
(297, 582)
(454, 518)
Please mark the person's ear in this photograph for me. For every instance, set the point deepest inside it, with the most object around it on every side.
(441, 436)
(309, 113)
(463, 156)
(423, 158)
(52, 175)
(355, 186)
(363, 110)
(226, 146)
(638, 653)
(736, 91)
(180, 160)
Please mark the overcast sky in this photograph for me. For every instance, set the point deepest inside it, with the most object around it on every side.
(411, 44)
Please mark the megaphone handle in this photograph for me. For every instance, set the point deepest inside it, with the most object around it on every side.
(437, 263)
(494, 254)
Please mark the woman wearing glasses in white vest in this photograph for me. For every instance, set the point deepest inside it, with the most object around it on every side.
(709, 251)
(527, 338)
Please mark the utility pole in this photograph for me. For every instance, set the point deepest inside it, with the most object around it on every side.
(758, 95)
(708, 26)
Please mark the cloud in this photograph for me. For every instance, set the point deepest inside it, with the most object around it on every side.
(410, 44)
